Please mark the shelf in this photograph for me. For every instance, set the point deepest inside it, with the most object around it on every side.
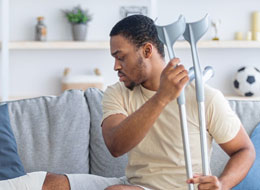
(228, 97)
(242, 98)
(31, 45)
(220, 44)
(103, 45)
(229, 44)
(13, 98)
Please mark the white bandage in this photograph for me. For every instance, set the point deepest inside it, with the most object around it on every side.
(30, 181)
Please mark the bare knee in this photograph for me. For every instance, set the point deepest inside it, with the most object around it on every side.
(113, 187)
(123, 187)
(56, 182)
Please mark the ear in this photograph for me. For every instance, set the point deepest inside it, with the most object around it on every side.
(147, 50)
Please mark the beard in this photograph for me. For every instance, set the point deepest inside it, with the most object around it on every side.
(139, 68)
(132, 85)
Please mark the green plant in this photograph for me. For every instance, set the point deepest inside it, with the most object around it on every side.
(78, 16)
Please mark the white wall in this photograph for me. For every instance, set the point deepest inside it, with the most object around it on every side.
(39, 72)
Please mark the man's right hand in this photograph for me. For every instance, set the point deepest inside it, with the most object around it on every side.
(173, 79)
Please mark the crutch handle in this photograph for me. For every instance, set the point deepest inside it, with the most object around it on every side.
(191, 74)
(208, 73)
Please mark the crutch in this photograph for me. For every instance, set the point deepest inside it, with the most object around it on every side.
(169, 34)
(194, 31)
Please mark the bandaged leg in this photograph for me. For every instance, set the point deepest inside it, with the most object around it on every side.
(30, 181)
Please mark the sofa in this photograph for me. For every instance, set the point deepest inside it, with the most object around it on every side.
(62, 134)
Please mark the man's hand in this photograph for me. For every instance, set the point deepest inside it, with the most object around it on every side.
(206, 182)
(173, 79)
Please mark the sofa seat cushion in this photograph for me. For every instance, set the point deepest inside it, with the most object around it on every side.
(10, 163)
(52, 132)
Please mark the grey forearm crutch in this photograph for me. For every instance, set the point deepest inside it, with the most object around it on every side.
(194, 31)
(169, 35)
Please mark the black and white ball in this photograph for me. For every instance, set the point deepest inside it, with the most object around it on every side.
(247, 81)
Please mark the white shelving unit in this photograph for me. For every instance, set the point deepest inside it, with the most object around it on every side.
(4, 67)
(98, 45)
(104, 45)
(6, 46)
(32, 45)
(52, 45)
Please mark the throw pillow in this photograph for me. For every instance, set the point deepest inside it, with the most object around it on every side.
(52, 132)
(251, 181)
(10, 163)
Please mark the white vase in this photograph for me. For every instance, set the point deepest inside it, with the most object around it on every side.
(79, 32)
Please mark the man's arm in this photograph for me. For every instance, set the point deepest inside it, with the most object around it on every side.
(242, 156)
(122, 133)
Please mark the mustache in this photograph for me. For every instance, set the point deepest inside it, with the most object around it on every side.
(121, 73)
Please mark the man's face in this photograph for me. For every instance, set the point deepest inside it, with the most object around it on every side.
(129, 61)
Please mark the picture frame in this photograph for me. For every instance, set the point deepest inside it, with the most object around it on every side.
(133, 10)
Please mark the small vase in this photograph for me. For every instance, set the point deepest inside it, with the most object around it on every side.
(79, 32)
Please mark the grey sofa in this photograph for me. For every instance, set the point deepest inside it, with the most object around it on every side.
(63, 134)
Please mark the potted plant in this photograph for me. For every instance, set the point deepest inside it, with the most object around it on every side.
(79, 19)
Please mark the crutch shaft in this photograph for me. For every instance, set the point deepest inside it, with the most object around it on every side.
(176, 30)
(168, 44)
(186, 147)
(201, 107)
(203, 139)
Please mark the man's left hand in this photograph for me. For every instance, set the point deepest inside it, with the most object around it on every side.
(206, 182)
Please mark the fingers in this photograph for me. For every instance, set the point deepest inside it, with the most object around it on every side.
(207, 186)
(205, 182)
(205, 179)
(174, 62)
(179, 75)
(182, 77)
(173, 79)
(173, 67)
(174, 70)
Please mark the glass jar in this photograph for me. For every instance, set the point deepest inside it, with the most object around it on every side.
(41, 30)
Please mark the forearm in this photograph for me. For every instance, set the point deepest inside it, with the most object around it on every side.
(127, 134)
(237, 168)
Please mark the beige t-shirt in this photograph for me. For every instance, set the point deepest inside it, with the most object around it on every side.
(157, 162)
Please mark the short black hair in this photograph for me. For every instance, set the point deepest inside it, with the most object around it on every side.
(139, 29)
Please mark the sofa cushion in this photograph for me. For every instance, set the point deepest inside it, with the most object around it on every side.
(52, 132)
(249, 116)
(10, 163)
(101, 161)
(250, 181)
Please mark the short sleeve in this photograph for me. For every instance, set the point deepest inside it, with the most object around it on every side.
(113, 102)
(223, 123)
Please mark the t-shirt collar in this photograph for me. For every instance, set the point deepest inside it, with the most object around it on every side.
(146, 92)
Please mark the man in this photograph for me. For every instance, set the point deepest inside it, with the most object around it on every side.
(141, 118)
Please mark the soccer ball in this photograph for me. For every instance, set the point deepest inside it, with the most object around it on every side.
(247, 81)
